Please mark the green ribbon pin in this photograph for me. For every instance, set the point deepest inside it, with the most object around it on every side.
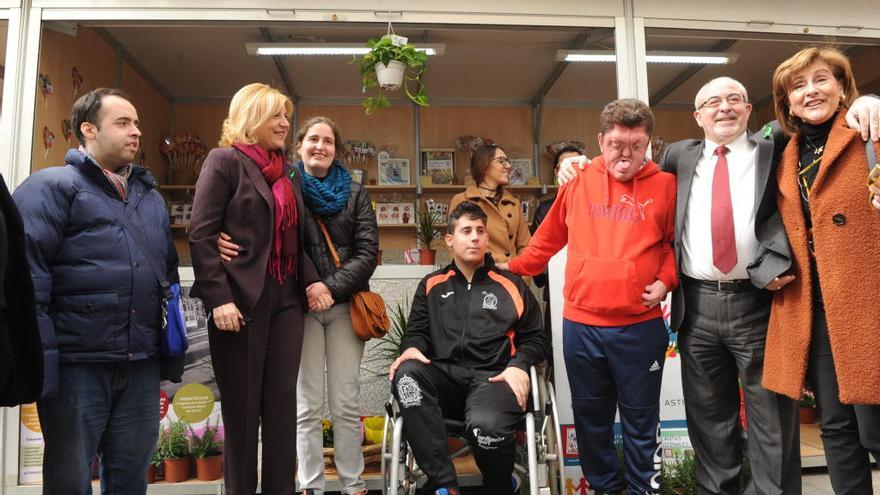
(768, 131)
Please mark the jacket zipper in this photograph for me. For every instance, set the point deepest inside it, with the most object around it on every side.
(467, 313)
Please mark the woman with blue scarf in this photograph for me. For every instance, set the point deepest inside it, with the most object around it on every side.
(342, 207)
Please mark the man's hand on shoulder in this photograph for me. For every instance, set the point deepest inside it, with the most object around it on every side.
(409, 353)
(518, 380)
(569, 168)
(864, 115)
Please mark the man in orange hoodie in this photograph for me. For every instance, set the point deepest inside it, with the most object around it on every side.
(618, 220)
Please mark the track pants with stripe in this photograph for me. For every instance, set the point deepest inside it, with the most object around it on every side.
(611, 369)
(428, 393)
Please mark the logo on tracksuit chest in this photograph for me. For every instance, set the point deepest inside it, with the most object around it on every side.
(490, 301)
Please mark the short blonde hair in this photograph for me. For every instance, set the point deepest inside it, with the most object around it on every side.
(784, 75)
(251, 106)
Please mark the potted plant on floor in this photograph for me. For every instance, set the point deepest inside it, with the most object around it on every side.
(807, 409)
(427, 232)
(175, 451)
(390, 64)
(153, 468)
(206, 447)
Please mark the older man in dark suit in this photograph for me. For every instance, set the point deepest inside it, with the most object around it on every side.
(730, 246)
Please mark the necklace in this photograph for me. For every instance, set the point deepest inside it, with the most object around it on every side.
(807, 173)
(817, 150)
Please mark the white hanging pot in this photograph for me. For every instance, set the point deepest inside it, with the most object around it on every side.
(390, 77)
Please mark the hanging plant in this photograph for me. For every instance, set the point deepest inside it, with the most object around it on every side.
(392, 63)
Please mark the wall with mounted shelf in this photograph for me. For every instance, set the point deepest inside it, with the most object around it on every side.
(95, 60)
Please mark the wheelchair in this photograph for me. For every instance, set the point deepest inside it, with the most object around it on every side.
(538, 462)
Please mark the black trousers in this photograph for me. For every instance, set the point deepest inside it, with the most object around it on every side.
(256, 371)
(428, 393)
(722, 342)
(849, 432)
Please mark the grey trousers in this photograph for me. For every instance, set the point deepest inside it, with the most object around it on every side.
(722, 343)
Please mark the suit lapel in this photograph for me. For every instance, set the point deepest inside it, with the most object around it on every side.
(253, 171)
(686, 168)
(763, 166)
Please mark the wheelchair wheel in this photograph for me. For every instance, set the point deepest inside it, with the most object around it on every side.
(398, 466)
(551, 437)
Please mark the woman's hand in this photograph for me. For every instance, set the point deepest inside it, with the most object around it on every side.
(227, 248)
(320, 298)
(227, 318)
(875, 196)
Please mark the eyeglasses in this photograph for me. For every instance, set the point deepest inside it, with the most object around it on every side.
(732, 99)
(503, 160)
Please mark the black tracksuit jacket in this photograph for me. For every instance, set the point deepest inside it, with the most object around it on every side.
(488, 324)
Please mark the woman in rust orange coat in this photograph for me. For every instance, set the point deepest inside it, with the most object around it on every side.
(824, 328)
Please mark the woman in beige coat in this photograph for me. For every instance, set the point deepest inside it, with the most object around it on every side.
(507, 226)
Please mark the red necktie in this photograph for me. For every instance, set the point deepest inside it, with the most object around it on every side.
(723, 237)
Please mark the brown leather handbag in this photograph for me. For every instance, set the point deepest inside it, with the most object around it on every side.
(369, 318)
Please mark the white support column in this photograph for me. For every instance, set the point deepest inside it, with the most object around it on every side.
(629, 41)
(19, 93)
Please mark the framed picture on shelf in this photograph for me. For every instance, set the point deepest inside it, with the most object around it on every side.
(520, 171)
(438, 165)
(358, 175)
(394, 172)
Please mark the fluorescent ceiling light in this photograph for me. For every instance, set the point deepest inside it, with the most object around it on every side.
(327, 49)
(707, 58)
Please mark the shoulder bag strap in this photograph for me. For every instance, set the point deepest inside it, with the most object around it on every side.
(329, 242)
(141, 242)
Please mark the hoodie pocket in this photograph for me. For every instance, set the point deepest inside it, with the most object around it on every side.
(603, 285)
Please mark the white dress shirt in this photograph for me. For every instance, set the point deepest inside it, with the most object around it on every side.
(696, 237)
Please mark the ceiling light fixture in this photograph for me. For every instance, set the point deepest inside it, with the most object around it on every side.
(708, 58)
(328, 49)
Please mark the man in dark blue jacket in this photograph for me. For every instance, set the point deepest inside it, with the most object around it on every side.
(98, 300)
(473, 332)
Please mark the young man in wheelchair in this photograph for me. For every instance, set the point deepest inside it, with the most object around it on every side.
(472, 334)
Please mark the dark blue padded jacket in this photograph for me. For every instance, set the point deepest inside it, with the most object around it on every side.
(97, 298)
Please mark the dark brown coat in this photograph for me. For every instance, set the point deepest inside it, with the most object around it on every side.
(233, 197)
(845, 229)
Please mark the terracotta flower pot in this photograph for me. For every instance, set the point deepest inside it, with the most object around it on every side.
(151, 473)
(176, 470)
(427, 256)
(807, 415)
(209, 468)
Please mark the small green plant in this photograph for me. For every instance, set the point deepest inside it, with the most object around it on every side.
(383, 50)
(679, 477)
(427, 228)
(808, 399)
(156, 459)
(387, 349)
(207, 444)
(173, 440)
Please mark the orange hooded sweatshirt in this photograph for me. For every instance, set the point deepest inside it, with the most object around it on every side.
(619, 237)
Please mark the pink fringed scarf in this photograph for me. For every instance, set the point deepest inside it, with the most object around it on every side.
(282, 256)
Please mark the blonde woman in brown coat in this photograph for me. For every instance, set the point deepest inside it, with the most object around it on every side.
(507, 226)
(824, 327)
